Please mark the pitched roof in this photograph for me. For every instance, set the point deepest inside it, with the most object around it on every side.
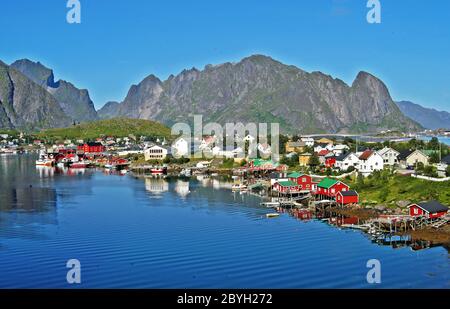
(327, 183)
(323, 152)
(343, 156)
(366, 155)
(431, 206)
(386, 150)
(287, 183)
(348, 193)
(296, 144)
(404, 154)
(295, 175)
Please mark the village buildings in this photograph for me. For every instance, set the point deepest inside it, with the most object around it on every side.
(390, 156)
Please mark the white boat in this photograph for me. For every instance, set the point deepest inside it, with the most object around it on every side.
(186, 172)
(44, 160)
(239, 187)
(270, 204)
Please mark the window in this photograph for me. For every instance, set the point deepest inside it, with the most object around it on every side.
(416, 211)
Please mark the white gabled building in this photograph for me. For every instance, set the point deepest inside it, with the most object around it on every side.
(340, 149)
(181, 148)
(389, 155)
(346, 160)
(370, 161)
(155, 153)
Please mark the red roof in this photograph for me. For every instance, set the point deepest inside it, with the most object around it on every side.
(323, 152)
(366, 155)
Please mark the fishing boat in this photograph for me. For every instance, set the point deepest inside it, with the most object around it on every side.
(44, 160)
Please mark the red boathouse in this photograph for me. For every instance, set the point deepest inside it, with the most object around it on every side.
(328, 188)
(347, 197)
(305, 182)
(431, 209)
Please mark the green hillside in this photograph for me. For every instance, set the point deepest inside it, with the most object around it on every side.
(117, 127)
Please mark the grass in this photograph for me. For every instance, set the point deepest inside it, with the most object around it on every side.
(388, 189)
(117, 127)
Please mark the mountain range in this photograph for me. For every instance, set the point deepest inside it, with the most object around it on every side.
(255, 89)
(428, 117)
(261, 89)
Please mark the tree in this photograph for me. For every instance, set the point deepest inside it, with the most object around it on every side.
(448, 171)
(434, 157)
(314, 161)
(434, 143)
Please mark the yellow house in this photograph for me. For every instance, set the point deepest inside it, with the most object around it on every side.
(303, 159)
(324, 140)
(295, 147)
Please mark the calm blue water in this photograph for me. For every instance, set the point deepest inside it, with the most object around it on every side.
(136, 233)
(442, 139)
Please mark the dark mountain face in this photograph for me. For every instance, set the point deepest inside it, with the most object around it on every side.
(260, 89)
(25, 104)
(109, 110)
(428, 117)
(75, 102)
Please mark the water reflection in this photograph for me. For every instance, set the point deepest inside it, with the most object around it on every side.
(156, 185)
(394, 241)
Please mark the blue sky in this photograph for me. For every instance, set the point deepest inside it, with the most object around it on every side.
(118, 43)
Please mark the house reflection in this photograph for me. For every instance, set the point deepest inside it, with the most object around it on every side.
(156, 186)
(182, 188)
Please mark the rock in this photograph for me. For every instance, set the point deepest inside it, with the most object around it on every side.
(403, 204)
(380, 207)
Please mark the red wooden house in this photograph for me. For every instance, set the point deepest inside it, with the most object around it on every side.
(347, 197)
(91, 148)
(328, 188)
(286, 187)
(431, 209)
(305, 182)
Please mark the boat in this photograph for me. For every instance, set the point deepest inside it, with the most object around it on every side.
(272, 215)
(270, 204)
(44, 159)
(109, 166)
(186, 172)
(239, 187)
(158, 170)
